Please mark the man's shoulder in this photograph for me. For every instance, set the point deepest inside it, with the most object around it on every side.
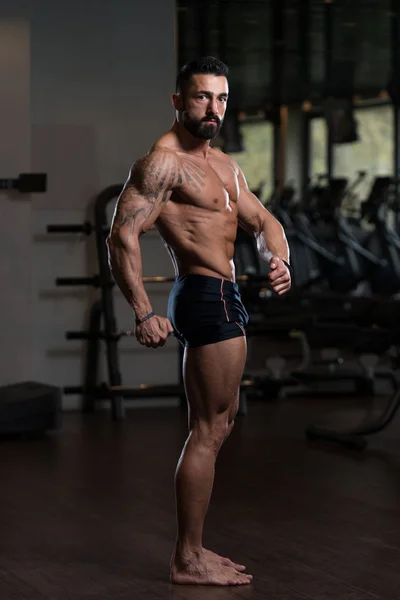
(158, 169)
(159, 157)
(159, 152)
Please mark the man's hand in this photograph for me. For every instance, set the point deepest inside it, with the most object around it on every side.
(279, 276)
(154, 332)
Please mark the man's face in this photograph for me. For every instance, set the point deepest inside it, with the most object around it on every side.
(203, 105)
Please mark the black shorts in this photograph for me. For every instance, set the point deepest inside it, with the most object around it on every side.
(205, 310)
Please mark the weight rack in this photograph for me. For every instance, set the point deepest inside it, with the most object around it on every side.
(103, 310)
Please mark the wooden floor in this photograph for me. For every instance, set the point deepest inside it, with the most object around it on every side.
(89, 513)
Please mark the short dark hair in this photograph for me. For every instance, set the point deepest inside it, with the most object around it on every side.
(207, 65)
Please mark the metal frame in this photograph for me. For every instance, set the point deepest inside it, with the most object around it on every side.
(107, 299)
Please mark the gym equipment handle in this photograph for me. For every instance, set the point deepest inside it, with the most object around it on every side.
(94, 335)
(74, 389)
(139, 391)
(95, 281)
(135, 391)
(81, 335)
(85, 228)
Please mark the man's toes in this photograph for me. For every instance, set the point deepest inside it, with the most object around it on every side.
(244, 579)
(228, 563)
(240, 568)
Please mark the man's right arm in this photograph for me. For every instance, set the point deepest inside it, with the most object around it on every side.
(149, 186)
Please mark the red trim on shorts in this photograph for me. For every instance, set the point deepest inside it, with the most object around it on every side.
(223, 300)
(239, 325)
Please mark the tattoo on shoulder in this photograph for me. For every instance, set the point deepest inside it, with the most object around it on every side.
(158, 173)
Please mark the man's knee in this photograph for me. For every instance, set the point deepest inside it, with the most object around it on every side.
(230, 427)
(213, 433)
(231, 418)
(233, 411)
(219, 431)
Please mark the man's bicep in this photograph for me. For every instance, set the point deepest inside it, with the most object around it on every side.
(134, 212)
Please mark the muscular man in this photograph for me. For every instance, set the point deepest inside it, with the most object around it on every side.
(196, 196)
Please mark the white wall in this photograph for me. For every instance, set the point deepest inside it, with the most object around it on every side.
(90, 95)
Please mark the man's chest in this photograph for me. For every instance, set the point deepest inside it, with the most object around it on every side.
(210, 184)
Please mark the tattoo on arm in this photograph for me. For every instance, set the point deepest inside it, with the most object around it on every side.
(166, 188)
(151, 180)
(127, 217)
(159, 179)
(159, 168)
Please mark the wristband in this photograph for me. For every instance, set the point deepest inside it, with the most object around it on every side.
(140, 321)
(289, 266)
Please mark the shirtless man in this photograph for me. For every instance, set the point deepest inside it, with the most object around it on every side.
(196, 196)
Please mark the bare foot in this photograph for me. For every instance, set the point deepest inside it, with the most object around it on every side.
(201, 569)
(223, 561)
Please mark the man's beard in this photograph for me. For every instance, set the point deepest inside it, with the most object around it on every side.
(201, 129)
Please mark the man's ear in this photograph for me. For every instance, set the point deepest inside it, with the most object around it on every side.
(177, 102)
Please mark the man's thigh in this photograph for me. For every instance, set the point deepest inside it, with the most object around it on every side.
(212, 376)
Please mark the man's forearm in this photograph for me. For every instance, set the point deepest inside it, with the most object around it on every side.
(271, 240)
(126, 267)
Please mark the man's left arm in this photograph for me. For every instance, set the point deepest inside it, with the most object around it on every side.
(269, 233)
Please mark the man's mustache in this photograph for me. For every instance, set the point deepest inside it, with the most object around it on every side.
(212, 118)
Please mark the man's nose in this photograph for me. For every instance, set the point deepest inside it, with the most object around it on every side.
(213, 106)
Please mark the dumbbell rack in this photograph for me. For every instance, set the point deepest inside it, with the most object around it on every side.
(103, 310)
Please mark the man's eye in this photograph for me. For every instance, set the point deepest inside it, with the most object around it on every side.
(223, 99)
